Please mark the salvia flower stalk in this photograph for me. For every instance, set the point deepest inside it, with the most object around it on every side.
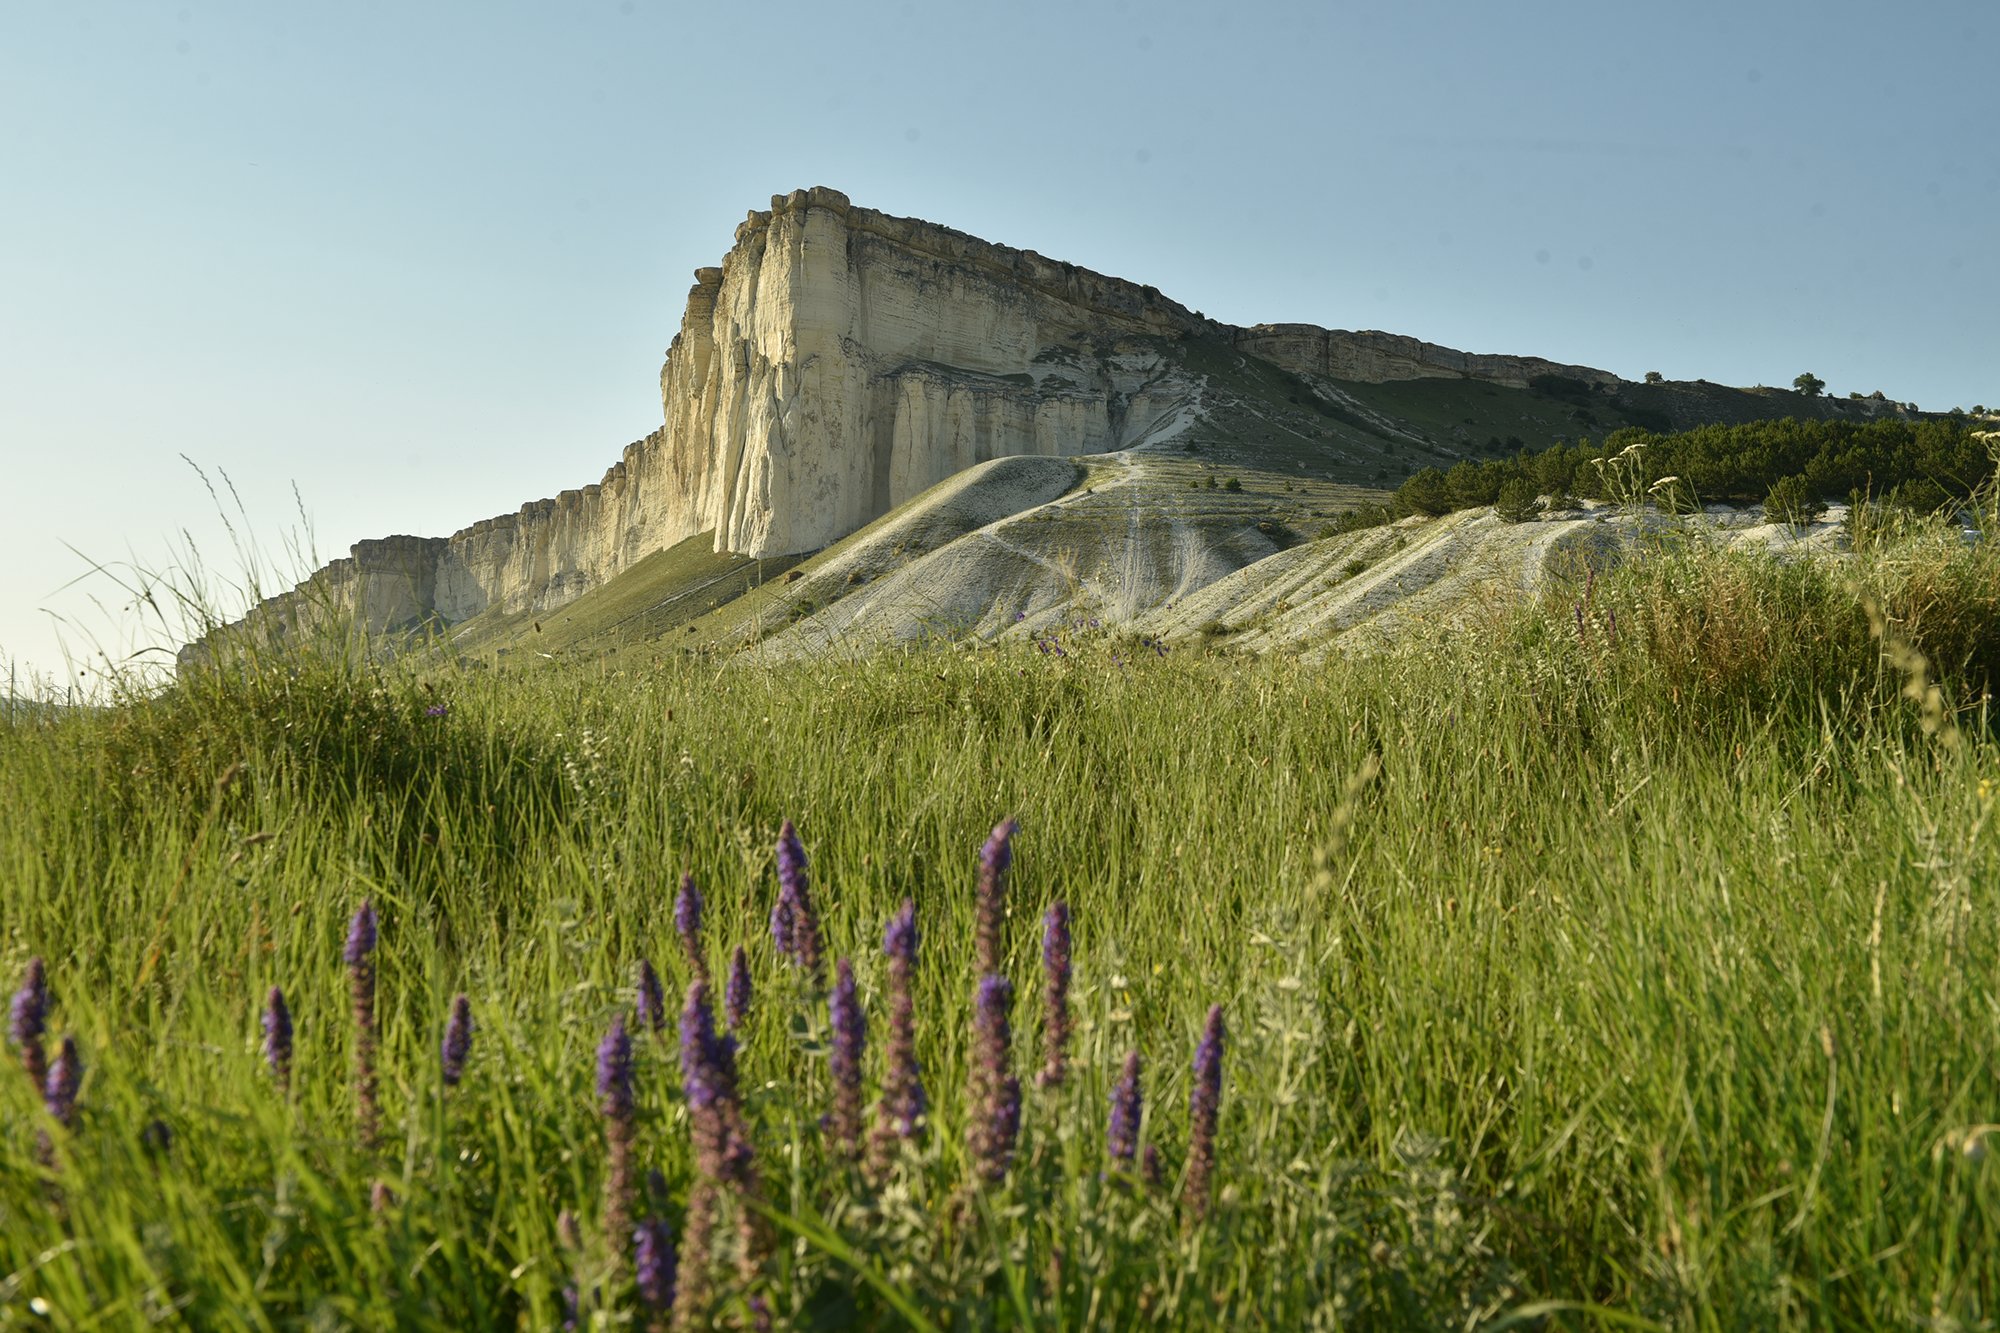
(653, 1263)
(1055, 995)
(899, 1116)
(794, 922)
(65, 1077)
(736, 994)
(1204, 1108)
(1122, 1134)
(278, 1038)
(360, 957)
(457, 1044)
(28, 1020)
(687, 924)
(650, 999)
(723, 1157)
(850, 1038)
(994, 1117)
(994, 860)
(616, 1105)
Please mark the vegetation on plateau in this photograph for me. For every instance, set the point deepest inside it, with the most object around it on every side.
(1629, 965)
(1923, 465)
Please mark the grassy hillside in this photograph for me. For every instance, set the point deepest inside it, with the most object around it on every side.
(1631, 966)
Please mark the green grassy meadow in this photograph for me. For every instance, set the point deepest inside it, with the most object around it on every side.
(1632, 963)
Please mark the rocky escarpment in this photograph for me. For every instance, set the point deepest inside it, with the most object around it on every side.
(1371, 357)
(837, 363)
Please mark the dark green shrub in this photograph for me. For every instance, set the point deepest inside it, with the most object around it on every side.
(1517, 502)
(1424, 493)
(1792, 501)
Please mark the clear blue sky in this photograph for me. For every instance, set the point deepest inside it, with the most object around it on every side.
(421, 262)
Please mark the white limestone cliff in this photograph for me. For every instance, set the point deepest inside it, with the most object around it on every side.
(839, 362)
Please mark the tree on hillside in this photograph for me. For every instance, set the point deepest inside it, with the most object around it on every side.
(1424, 493)
(1809, 384)
(1517, 502)
(1655, 377)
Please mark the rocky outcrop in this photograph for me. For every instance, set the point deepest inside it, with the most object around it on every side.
(1371, 357)
(836, 364)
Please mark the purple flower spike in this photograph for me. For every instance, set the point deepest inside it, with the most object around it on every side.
(361, 934)
(723, 1156)
(278, 1038)
(687, 923)
(654, 1262)
(1055, 995)
(708, 1081)
(850, 1038)
(614, 1072)
(614, 1100)
(798, 939)
(1204, 1107)
(65, 1077)
(1122, 1137)
(736, 995)
(361, 981)
(995, 1113)
(651, 1002)
(994, 860)
(899, 1116)
(1150, 1171)
(28, 1020)
(457, 1041)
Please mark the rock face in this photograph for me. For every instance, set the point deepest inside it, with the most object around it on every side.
(1376, 358)
(839, 362)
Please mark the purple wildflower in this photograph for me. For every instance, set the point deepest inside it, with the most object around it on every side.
(457, 1041)
(687, 922)
(437, 710)
(900, 1113)
(994, 1118)
(654, 1261)
(361, 978)
(1122, 1137)
(1581, 633)
(1055, 994)
(65, 1076)
(572, 1302)
(799, 938)
(278, 1038)
(651, 1002)
(850, 1037)
(361, 933)
(994, 860)
(708, 1080)
(614, 1100)
(28, 1019)
(1150, 1170)
(736, 994)
(723, 1156)
(1204, 1106)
